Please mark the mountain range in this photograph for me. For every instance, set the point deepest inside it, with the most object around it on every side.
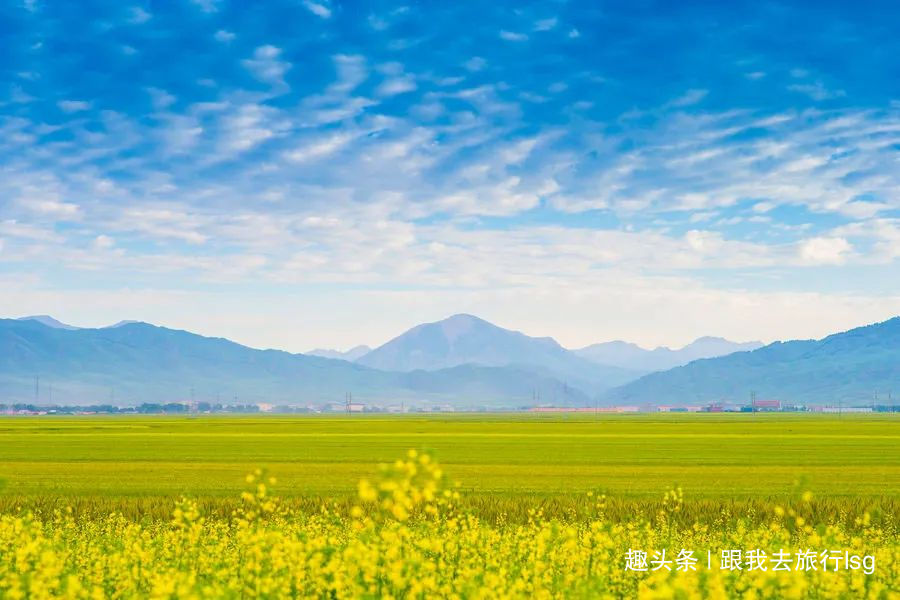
(466, 339)
(138, 362)
(632, 356)
(48, 321)
(854, 367)
(462, 360)
(351, 354)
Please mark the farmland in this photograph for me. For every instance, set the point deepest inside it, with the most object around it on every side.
(734, 457)
(519, 506)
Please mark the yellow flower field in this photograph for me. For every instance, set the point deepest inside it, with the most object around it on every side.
(407, 538)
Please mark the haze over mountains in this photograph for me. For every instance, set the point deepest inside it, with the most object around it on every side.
(466, 339)
(632, 356)
(462, 360)
(139, 362)
(854, 366)
(351, 354)
(48, 321)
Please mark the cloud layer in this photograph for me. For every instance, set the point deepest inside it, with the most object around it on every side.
(597, 173)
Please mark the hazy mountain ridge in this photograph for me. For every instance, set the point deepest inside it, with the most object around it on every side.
(138, 362)
(48, 321)
(631, 356)
(850, 366)
(352, 354)
(465, 339)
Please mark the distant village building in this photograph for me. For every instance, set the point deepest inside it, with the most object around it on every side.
(583, 409)
(766, 405)
(345, 407)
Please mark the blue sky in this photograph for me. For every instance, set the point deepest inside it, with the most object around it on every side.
(299, 174)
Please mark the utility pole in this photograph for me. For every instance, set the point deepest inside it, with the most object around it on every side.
(37, 388)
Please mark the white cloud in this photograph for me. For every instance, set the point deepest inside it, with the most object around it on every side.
(179, 134)
(266, 65)
(224, 36)
(319, 148)
(73, 106)
(207, 6)
(816, 91)
(476, 63)
(689, 98)
(245, 126)
(545, 24)
(312, 204)
(825, 251)
(139, 15)
(512, 36)
(161, 98)
(51, 207)
(396, 85)
(351, 70)
(319, 9)
(103, 242)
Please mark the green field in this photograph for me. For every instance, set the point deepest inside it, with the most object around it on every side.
(524, 501)
(733, 456)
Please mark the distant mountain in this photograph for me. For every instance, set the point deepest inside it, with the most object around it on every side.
(48, 321)
(468, 340)
(138, 362)
(848, 367)
(120, 323)
(631, 356)
(352, 354)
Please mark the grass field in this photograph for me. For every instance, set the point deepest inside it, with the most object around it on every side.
(733, 456)
(520, 524)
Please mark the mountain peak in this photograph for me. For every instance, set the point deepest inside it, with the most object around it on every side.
(707, 339)
(849, 367)
(456, 340)
(121, 323)
(465, 339)
(48, 321)
(351, 355)
(457, 325)
(627, 355)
